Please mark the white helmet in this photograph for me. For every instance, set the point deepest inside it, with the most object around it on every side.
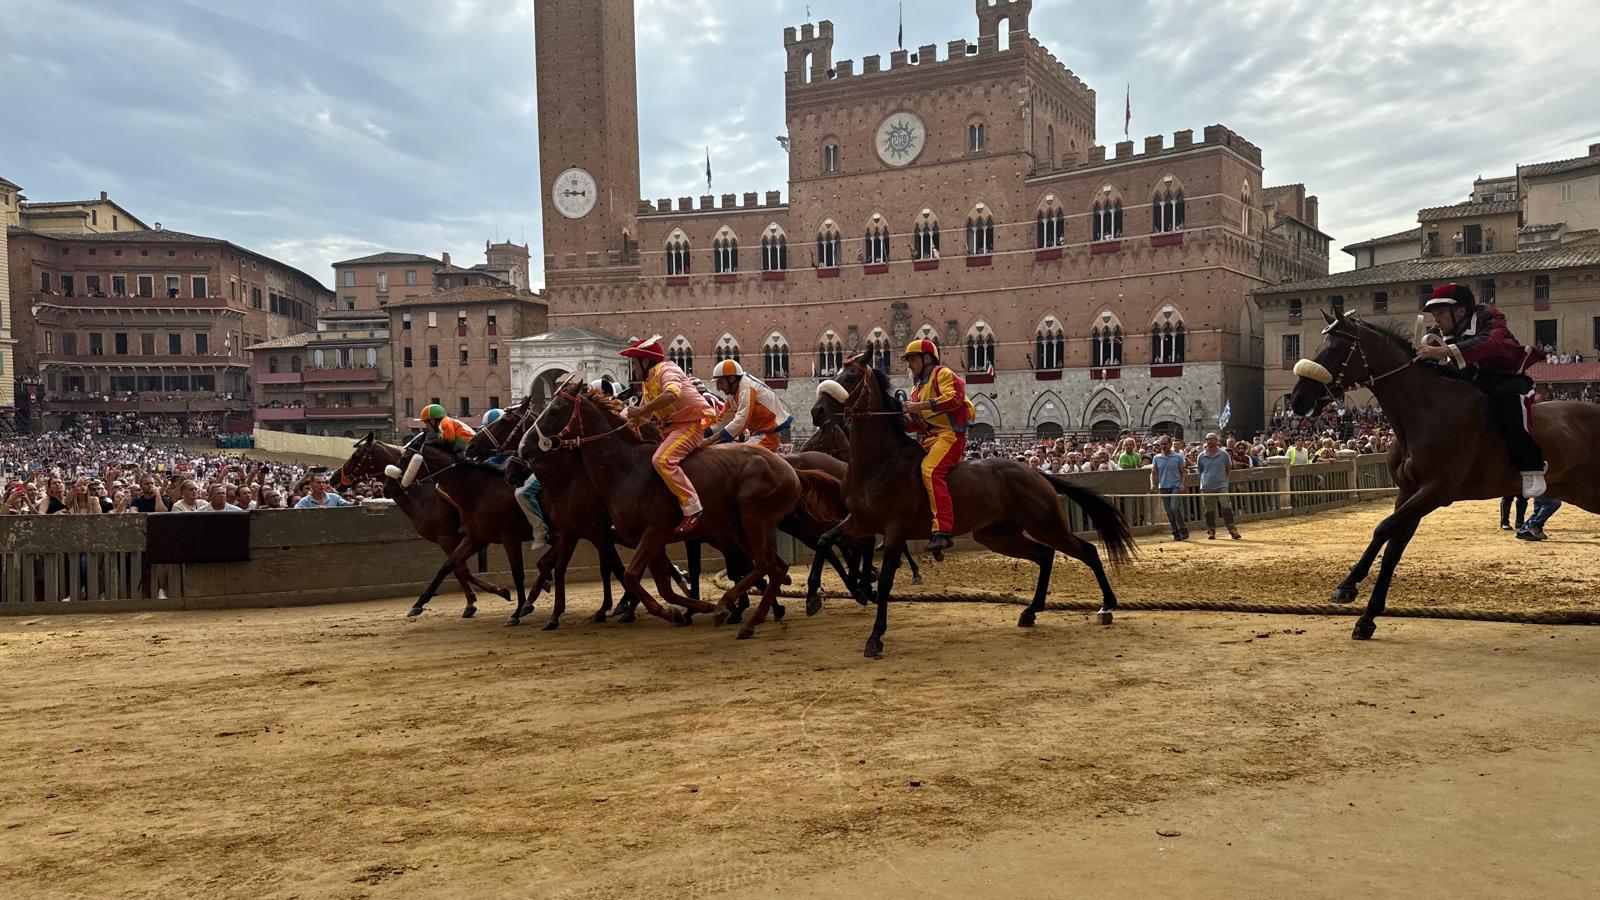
(606, 386)
(728, 368)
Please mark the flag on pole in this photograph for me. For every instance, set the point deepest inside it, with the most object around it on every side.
(708, 169)
(1127, 112)
(901, 38)
(1227, 414)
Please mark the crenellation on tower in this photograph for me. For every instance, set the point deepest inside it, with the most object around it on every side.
(813, 44)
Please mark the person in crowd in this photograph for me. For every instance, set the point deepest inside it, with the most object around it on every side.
(1214, 463)
(1166, 477)
(218, 500)
(189, 493)
(1129, 457)
(17, 500)
(82, 501)
(320, 496)
(54, 500)
(271, 498)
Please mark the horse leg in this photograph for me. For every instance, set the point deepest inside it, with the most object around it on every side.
(1403, 530)
(737, 565)
(777, 573)
(661, 569)
(650, 546)
(1348, 588)
(1060, 537)
(691, 553)
(814, 580)
(464, 579)
(564, 549)
(610, 565)
(1008, 539)
(513, 550)
(546, 564)
(457, 558)
(916, 573)
(894, 546)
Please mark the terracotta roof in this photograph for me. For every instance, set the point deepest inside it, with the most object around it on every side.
(472, 293)
(343, 314)
(1564, 373)
(1274, 194)
(1462, 210)
(1539, 229)
(1399, 237)
(1559, 166)
(9, 183)
(1446, 268)
(576, 333)
(1498, 179)
(379, 258)
(284, 343)
(155, 236)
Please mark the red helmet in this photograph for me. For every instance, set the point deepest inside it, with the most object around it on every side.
(649, 350)
(1451, 295)
(921, 345)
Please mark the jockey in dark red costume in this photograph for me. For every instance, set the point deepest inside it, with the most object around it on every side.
(1474, 340)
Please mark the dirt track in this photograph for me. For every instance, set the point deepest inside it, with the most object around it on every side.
(343, 751)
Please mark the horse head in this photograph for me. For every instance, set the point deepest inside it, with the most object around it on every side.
(499, 436)
(547, 429)
(1354, 354)
(829, 408)
(368, 460)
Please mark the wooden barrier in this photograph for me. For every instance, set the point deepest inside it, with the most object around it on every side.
(81, 564)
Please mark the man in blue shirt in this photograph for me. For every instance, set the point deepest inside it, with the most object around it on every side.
(320, 497)
(1166, 476)
(1214, 463)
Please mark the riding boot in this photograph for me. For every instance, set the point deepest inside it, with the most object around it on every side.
(940, 542)
(688, 525)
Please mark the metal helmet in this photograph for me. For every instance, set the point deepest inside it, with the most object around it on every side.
(433, 412)
(728, 368)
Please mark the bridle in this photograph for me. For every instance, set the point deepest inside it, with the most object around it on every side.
(1366, 383)
(574, 421)
(852, 409)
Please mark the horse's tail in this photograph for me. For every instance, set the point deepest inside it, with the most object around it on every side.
(821, 497)
(1107, 520)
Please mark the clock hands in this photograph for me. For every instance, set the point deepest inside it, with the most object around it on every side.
(574, 193)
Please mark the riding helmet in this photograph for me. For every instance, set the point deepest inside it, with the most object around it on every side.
(433, 412)
(728, 368)
(1451, 295)
(921, 345)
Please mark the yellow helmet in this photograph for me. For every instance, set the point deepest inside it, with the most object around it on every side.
(921, 345)
(728, 368)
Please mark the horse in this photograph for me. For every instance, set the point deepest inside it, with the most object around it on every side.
(745, 490)
(1008, 507)
(489, 512)
(1446, 445)
(833, 437)
(575, 509)
(435, 520)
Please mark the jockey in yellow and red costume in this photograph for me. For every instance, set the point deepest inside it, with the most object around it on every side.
(941, 411)
(669, 395)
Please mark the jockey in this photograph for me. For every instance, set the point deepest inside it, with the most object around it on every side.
(753, 412)
(1474, 340)
(670, 397)
(499, 459)
(440, 427)
(941, 410)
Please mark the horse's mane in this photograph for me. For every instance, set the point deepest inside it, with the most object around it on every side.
(1395, 335)
(614, 406)
(892, 403)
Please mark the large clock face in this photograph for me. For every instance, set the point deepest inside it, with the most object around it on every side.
(901, 138)
(573, 193)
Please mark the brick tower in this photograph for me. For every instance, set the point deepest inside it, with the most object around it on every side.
(588, 138)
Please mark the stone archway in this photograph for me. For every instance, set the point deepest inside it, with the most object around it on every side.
(1048, 430)
(1105, 430)
(544, 385)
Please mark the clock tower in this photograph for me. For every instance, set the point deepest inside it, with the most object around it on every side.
(588, 137)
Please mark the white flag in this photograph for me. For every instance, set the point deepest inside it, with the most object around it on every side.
(1227, 414)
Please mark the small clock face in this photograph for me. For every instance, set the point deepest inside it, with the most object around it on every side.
(573, 193)
(901, 138)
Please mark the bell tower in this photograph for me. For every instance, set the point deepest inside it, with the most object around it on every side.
(588, 136)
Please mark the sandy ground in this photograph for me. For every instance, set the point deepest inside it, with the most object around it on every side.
(343, 751)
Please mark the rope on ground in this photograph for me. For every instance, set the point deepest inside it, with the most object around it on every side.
(1522, 617)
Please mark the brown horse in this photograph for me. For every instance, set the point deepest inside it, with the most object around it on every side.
(576, 511)
(1446, 446)
(746, 492)
(1008, 507)
(435, 520)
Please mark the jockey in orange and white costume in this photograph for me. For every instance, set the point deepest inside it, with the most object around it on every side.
(670, 397)
(752, 413)
(941, 411)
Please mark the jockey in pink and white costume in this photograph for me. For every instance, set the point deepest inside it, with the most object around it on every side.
(669, 396)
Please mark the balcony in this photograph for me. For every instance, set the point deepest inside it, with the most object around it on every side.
(280, 414)
(355, 374)
(140, 360)
(278, 378)
(348, 412)
(150, 402)
(1170, 239)
(131, 302)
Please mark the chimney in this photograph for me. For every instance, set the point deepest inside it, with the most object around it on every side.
(446, 259)
(1311, 211)
(1591, 153)
(1594, 149)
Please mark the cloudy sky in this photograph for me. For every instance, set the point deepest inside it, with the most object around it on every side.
(316, 131)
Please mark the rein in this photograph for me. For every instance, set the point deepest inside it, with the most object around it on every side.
(1366, 366)
(559, 439)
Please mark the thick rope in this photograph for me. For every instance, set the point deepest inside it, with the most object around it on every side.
(1523, 617)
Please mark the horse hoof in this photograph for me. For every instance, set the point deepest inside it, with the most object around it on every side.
(469, 612)
(746, 633)
(415, 611)
(735, 617)
(514, 621)
(916, 579)
(722, 617)
(1103, 617)
(1363, 631)
(778, 612)
(1344, 595)
(628, 618)
(551, 625)
(874, 649)
(813, 604)
(682, 618)
(1026, 619)
(600, 617)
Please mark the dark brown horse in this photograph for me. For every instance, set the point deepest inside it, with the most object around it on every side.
(1446, 446)
(435, 520)
(1008, 507)
(745, 490)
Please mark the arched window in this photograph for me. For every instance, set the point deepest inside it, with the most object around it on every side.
(725, 253)
(879, 350)
(1107, 216)
(272, 363)
(876, 245)
(678, 254)
(1245, 202)
(774, 249)
(925, 236)
(1049, 345)
(1166, 208)
(1050, 145)
(775, 357)
(681, 354)
(372, 357)
(317, 358)
(727, 348)
(830, 355)
(829, 246)
(1166, 337)
(1105, 341)
(980, 347)
(294, 363)
(980, 232)
(1050, 224)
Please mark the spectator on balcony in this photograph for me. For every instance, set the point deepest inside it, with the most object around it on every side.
(190, 502)
(320, 497)
(218, 499)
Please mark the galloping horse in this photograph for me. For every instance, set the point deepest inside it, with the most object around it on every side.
(1446, 446)
(575, 509)
(1008, 507)
(745, 490)
(435, 520)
